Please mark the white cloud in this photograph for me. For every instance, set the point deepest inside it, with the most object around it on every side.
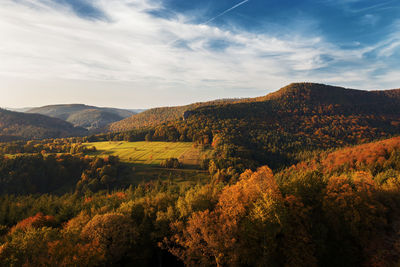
(43, 41)
(370, 19)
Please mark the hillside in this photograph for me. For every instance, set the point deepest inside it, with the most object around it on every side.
(376, 155)
(339, 210)
(372, 157)
(89, 117)
(156, 116)
(308, 207)
(15, 125)
(300, 117)
(19, 109)
(321, 94)
(296, 95)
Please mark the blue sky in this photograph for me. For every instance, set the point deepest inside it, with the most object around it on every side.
(147, 53)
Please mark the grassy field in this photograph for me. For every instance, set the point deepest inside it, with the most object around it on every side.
(151, 153)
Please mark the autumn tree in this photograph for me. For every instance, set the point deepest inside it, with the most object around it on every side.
(115, 234)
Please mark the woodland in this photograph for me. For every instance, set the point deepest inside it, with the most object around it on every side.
(306, 176)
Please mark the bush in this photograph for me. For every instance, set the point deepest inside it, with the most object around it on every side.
(171, 163)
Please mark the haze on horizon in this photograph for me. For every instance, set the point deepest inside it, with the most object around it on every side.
(147, 53)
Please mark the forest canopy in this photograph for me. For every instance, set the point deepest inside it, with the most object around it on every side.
(306, 176)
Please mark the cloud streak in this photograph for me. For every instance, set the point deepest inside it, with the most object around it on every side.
(227, 11)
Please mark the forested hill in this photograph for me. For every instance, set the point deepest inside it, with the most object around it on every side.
(89, 117)
(16, 125)
(320, 94)
(320, 112)
(156, 116)
(302, 100)
(307, 96)
(300, 117)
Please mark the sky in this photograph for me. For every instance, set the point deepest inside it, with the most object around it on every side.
(148, 53)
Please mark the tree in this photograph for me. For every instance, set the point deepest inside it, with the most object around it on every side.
(171, 163)
(28, 247)
(148, 137)
(115, 234)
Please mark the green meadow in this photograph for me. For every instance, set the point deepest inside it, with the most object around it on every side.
(151, 153)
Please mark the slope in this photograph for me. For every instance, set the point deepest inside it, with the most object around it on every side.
(89, 117)
(156, 116)
(15, 125)
(300, 117)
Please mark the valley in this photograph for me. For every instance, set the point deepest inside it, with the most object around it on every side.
(299, 167)
(234, 133)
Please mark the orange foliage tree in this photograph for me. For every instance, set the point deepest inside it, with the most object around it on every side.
(250, 225)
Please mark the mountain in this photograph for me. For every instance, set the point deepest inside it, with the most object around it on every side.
(89, 117)
(156, 116)
(277, 129)
(16, 125)
(136, 111)
(19, 109)
(289, 103)
(321, 94)
(295, 95)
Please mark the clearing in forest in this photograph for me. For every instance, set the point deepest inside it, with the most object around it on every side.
(151, 153)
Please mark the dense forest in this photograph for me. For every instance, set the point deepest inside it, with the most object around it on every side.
(280, 128)
(156, 116)
(306, 176)
(338, 208)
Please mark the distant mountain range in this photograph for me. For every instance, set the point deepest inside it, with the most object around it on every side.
(300, 97)
(302, 114)
(55, 121)
(19, 109)
(88, 117)
(296, 96)
(16, 126)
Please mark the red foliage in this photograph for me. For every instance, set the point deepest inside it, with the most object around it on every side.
(367, 154)
(37, 221)
(119, 195)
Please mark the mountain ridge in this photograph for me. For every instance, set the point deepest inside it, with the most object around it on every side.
(294, 94)
(155, 116)
(18, 125)
(322, 93)
(277, 128)
(86, 116)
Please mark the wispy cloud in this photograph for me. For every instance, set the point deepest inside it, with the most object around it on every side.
(370, 19)
(137, 55)
(352, 5)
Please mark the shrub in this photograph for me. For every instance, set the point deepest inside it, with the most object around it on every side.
(171, 163)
